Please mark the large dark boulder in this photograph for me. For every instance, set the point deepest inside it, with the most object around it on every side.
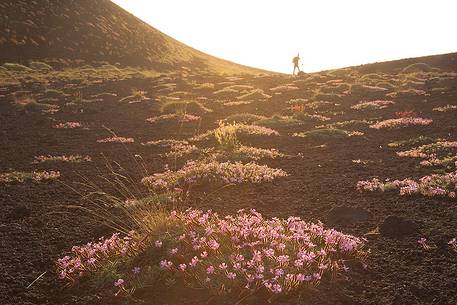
(396, 226)
(347, 215)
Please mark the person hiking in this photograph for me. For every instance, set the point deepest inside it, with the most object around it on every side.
(295, 61)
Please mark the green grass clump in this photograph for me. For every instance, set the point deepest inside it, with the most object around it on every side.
(304, 117)
(278, 121)
(54, 93)
(338, 89)
(246, 118)
(179, 106)
(16, 67)
(323, 133)
(38, 65)
(256, 94)
(419, 67)
(412, 142)
(349, 123)
(321, 96)
(298, 101)
(29, 104)
(385, 84)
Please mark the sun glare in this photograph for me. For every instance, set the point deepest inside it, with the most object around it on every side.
(327, 34)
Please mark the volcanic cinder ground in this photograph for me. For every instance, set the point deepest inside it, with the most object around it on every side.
(328, 146)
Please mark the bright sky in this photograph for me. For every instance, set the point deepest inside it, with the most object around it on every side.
(327, 33)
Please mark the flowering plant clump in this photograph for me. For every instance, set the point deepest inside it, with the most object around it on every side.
(378, 104)
(182, 118)
(406, 114)
(68, 125)
(368, 88)
(239, 129)
(349, 123)
(238, 103)
(248, 252)
(257, 153)
(433, 185)
(319, 104)
(21, 177)
(45, 176)
(302, 116)
(430, 151)
(195, 172)
(166, 143)
(94, 255)
(241, 253)
(401, 122)
(412, 141)
(298, 101)
(71, 158)
(453, 244)
(116, 139)
(225, 91)
(255, 94)
(327, 132)
(179, 150)
(445, 108)
(284, 88)
(434, 161)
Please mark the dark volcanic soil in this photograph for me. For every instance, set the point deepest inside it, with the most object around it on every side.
(37, 226)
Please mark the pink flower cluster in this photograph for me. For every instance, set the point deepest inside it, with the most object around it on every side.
(440, 185)
(401, 122)
(195, 172)
(453, 244)
(378, 104)
(116, 139)
(257, 153)
(45, 175)
(370, 185)
(68, 125)
(178, 150)
(433, 161)
(71, 158)
(92, 256)
(248, 252)
(429, 152)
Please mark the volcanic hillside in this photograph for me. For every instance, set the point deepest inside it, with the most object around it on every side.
(79, 30)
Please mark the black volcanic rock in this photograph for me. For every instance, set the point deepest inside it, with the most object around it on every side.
(347, 215)
(396, 226)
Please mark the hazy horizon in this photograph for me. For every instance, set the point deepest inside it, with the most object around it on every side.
(327, 34)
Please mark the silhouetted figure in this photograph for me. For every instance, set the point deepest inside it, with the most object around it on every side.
(295, 61)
